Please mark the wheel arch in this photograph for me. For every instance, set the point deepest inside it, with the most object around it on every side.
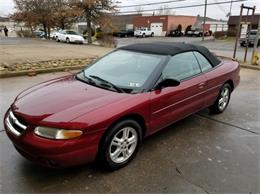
(133, 116)
(231, 83)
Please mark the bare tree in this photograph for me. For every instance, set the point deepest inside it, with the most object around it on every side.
(48, 13)
(65, 15)
(93, 10)
(36, 12)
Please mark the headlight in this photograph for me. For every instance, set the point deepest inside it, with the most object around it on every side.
(53, 133)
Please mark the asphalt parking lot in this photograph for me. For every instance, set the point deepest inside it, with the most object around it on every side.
(203, 153)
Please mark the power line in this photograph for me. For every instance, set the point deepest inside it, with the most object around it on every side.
(221, 8)
(185, 6)
(147, 4)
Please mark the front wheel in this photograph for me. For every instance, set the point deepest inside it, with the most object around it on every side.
(120, 144)
(143, 35)
(67, 40)
(222, 101)
(152, 35)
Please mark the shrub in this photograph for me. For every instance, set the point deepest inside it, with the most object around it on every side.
(220, 34)
(25, 33)
(108, 41)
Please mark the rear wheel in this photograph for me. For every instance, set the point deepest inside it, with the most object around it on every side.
(120, 144)
(143, 35)
(152, 35)
(222, 101)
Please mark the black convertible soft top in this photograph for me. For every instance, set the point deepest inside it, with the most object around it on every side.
(163, 48)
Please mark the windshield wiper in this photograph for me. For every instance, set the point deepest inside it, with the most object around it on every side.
(84, 78)
(107, 82)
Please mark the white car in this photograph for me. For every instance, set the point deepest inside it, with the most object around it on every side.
(143, 32)
(69, 36)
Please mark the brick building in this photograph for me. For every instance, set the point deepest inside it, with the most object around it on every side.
(162, 25)
(234, 20)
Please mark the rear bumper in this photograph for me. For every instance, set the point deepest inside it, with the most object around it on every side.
(56, 153)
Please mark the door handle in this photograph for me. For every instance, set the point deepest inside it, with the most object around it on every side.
(201, 85)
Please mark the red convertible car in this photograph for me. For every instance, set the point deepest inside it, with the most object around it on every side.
(105, 111)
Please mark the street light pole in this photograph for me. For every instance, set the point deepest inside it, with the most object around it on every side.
(204, 20)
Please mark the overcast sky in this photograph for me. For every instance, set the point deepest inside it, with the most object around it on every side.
(214, 11)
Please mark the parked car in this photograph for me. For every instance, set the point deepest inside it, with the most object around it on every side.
(143, 32)
(39, 34)
(106, 110)
(124, 33)
(251, 36)
(175, 33)
(197, 32)
(69, 36)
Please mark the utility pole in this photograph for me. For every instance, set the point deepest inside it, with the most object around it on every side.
(230, 10)
(204, 20)
(249, 29)
(240, 25)
(256, 42)
(238, 30)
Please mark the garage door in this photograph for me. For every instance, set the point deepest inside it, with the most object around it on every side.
(157, 28)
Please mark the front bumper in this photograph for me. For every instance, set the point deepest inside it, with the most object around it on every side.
(55, 153)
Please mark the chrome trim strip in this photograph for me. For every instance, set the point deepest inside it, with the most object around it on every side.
(11, 114)
(10, 127)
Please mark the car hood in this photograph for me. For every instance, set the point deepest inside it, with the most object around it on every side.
(62, 100)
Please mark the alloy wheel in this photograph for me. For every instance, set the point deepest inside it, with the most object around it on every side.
(123, 145)
(224, 98)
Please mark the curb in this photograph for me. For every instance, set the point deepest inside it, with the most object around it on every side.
(253, 67)
(38, 71)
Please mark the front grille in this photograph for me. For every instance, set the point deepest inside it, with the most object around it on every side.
(14, 125)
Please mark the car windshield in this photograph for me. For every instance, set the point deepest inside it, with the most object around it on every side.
(126, 70)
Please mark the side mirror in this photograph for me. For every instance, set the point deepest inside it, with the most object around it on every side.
(168, 83)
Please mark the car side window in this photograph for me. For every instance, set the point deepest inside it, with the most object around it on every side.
(204, 63)
(181, 66)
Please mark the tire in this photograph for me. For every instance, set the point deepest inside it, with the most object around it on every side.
(143, 35)
(57, 39)
(152, 35)
(67, 40)
(222, 101)
(112, 144)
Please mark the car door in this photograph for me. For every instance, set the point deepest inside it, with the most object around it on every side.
(174, 103)
(215, 79)
(62, 37)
